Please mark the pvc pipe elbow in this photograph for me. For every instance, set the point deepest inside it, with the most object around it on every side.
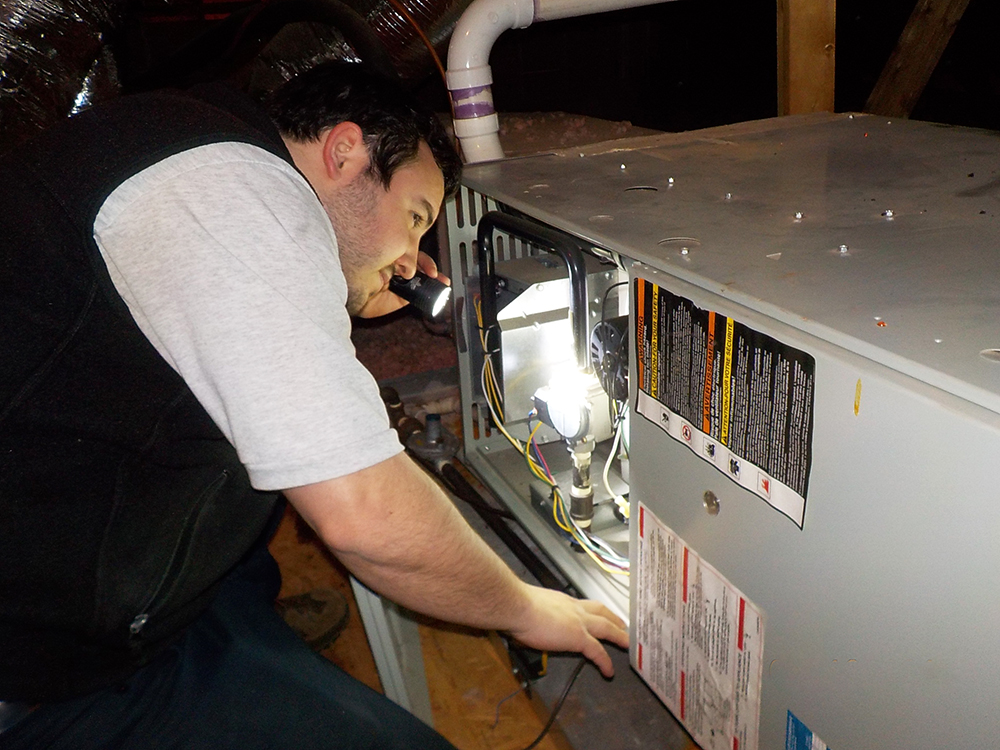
(480, 26)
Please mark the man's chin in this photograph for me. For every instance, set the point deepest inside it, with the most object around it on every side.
(356, 303)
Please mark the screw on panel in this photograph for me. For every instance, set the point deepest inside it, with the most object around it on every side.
(888, 213)
(798, 216)
(711, 502)
(844, 249)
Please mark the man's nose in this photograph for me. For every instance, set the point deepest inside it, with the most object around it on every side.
(406, 264)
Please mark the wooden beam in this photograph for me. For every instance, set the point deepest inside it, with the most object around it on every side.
(807, 34)
(917, 53)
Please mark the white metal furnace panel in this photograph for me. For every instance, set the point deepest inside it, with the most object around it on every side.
(872, 247)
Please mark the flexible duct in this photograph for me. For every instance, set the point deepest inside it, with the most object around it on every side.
(53, 62)
(436, 18)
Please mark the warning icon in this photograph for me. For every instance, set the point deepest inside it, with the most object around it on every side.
(734, 466)
(764, 485)
(686, 432)
(709, 449)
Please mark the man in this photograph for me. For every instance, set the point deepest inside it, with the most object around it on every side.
(176, 279)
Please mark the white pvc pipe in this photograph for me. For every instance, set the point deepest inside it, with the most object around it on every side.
(469, 77)
(550, 10)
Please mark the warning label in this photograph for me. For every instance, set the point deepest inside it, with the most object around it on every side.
(738, 398)
(699, 641)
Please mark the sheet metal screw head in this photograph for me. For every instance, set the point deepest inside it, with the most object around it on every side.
(711, 502)
(844, 249)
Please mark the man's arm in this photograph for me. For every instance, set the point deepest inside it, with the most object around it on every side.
(394, 528)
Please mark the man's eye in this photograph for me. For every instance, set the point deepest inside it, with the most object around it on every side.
(417, 220)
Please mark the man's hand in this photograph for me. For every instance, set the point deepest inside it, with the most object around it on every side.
(385, 302)
(557, 622)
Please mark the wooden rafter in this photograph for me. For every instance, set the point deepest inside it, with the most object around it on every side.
(917, 53)
(806, 55)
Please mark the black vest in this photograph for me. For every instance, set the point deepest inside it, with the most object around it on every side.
(121, 503)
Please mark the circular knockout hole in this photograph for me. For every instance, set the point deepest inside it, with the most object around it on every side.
(993, 355)
(679, 241)
(641, 188)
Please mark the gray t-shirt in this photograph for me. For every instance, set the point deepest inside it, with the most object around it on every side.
(229, 266)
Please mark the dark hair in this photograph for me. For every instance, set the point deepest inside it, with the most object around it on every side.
(392, 122)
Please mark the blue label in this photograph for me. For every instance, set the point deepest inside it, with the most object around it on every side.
(799, 737)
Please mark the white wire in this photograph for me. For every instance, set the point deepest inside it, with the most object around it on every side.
(607, 467)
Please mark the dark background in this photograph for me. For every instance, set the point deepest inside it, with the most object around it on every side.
(675, 66)
(697, 63)
(679, 65)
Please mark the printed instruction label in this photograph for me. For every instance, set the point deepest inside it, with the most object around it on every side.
(699, 641)
(738, 398)
(799, 737)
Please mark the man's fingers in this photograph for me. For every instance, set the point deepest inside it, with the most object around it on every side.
(599, 656)
(606, 630)
(596, 608)
(605, 624)
(426, 264)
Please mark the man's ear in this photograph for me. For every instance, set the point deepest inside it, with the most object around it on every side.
(345, 155)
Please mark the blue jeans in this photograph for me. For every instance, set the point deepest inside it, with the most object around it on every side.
(238, 679)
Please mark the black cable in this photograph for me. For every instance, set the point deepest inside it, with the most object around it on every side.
(559, 703)
(612, 402)
(604, 302)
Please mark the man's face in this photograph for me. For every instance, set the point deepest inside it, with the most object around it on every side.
(379, 230)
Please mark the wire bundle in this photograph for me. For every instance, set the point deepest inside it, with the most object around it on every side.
(596, 548)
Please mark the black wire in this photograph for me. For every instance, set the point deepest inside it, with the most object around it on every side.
(604, 302)
(608, 387)
(559, 703)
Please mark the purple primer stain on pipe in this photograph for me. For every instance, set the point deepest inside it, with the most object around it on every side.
(467, 110)
(476, 109)
(469, 92)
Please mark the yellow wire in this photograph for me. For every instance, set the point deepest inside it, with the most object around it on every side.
(558, 505)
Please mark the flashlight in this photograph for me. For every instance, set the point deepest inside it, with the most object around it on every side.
(428, 295)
